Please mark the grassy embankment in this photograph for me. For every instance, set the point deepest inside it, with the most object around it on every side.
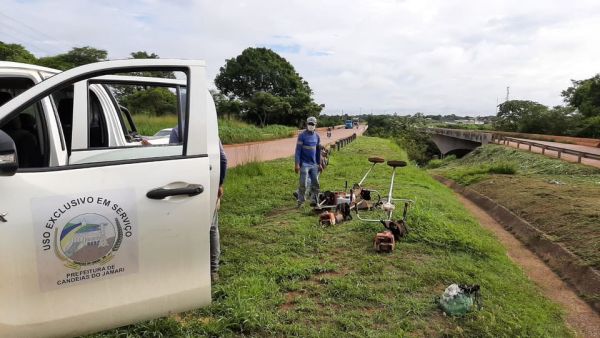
(283, 275)
(560, 198)
(230, 131)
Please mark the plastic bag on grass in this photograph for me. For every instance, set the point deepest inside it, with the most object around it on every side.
(457, 300)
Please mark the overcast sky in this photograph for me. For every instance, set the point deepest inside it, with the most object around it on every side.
(384, 56)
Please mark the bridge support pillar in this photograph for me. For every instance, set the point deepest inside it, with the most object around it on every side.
(447, 144)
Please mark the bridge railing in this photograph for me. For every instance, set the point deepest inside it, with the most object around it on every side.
(500, 139)
(481, 136)
(477, 136)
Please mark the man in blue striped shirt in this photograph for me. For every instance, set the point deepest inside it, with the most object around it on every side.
(308, 161)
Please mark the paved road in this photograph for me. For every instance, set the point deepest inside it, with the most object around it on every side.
(566, 157)
(238, 154)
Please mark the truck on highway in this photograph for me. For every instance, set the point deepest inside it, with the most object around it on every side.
(97, 228)
(348, 124)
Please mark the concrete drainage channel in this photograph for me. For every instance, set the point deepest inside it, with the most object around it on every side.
(569, 267)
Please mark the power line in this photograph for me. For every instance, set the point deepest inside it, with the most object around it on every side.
(18, 36)
(35, 30)
(30, 33)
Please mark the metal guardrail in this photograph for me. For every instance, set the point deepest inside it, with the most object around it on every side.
(559, 150)
(339, 144)
(501, 139)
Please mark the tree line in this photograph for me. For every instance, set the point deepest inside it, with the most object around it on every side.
(258, 86)
(580, 116)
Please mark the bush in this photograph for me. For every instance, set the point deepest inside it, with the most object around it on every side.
(505, 168)
(433, 164)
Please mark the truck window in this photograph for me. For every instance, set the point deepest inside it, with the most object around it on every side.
(13, 86)
(153, 110)
(63, 103)
(139, 115)
(27, 129)
(98, 132)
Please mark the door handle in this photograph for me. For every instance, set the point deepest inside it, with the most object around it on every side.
(161, 193)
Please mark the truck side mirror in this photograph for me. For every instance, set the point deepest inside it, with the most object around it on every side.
(8, 155)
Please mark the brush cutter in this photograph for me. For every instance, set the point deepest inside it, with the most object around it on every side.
(387, 204)
(329, 200)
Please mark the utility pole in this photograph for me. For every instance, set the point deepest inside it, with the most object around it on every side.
(507, 93)
(496, 105)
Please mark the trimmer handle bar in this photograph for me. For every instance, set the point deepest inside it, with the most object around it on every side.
(376, 159)
(396, 164)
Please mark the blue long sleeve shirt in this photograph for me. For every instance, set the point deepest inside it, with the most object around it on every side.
(308, 148)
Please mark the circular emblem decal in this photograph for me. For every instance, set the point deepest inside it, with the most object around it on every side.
(87, 238)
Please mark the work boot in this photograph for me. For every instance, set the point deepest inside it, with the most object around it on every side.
(214, 277)
(295, 193)
(299, 205)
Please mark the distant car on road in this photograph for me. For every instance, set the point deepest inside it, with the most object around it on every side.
(164, 132)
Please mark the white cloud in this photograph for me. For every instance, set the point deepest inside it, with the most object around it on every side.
(432, 56)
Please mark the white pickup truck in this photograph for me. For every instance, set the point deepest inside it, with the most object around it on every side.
(97, 230)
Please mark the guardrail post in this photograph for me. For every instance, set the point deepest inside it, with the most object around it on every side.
(579, 158)
(530, 147)
(559, 152)
(543, 150)
(518, 144)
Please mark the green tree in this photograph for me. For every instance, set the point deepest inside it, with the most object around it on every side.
(407, 132)
(584, 95)
(155, 101)
(260, 71)
(262, 105)
(16, 53)
(226, 107)
(143, 55)
(77, 56)
(521, 116)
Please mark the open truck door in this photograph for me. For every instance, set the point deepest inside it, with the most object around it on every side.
(102, 243)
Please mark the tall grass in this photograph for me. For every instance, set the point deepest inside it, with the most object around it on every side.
(149, 125)
(525, 162)
(230, 131)
(234, 131)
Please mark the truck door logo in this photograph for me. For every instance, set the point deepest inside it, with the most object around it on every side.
(87, 239)
(2, 217)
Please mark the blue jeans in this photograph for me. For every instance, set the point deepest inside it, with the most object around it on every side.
(308, 171)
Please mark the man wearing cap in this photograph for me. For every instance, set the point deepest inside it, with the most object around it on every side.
(308, 161)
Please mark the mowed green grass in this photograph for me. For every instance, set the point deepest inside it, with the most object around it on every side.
(283, 275)
(230, 131)
(558, 197)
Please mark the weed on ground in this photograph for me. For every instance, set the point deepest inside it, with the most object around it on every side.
(284, 275)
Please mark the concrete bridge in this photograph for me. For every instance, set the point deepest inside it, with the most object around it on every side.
(458, 141)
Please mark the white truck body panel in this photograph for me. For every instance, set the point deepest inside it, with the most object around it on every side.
(165, 258)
